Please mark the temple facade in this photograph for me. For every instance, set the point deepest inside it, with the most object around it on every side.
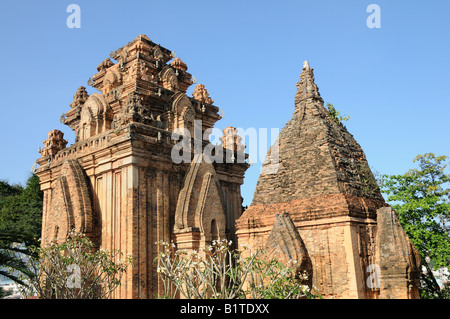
(137, 174)
(121, 184)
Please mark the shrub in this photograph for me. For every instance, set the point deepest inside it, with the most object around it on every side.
(75, 270)
(219, 272)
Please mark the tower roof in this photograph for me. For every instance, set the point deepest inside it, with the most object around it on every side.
(320, 165)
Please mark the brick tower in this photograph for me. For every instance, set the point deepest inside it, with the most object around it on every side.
(324, 184)
(118, 183)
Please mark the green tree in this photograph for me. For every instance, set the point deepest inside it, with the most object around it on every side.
(421, 198)
(20, 226)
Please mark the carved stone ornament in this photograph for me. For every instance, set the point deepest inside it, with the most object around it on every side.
(202, 95)
(178, 64)
(80, 97)
(107, 63)
(112, 79)
(54, 143)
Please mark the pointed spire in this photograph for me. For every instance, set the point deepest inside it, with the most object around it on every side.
(312, 150)
(306, 88)
(306, 65)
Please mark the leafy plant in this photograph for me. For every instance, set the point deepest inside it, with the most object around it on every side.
(75, 270)
(218, 272)
(20, 226)
(335, 114)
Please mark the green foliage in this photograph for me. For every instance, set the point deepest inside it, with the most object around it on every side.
(21, 212)
(335, 114)
(20, 226)
(271, 279)
(421, 198)
(218, 272)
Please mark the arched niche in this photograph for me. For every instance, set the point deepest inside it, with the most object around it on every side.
(112, 79)
(184, 113)
(200, 212)
(95, 118)
(169, 79)
(70, 207)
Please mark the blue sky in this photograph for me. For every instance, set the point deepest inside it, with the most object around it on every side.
(393, 81)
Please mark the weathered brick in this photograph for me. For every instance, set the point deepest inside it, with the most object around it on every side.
(118, 182)
(324, 183)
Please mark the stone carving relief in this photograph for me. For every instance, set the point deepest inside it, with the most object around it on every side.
(144, 72)
(138, 70)
(134, 110)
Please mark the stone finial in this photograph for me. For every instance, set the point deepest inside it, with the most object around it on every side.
(80, 97)
(306, 65)
(232, 140)
(202, 95)
(178, 64)
(54, 143)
